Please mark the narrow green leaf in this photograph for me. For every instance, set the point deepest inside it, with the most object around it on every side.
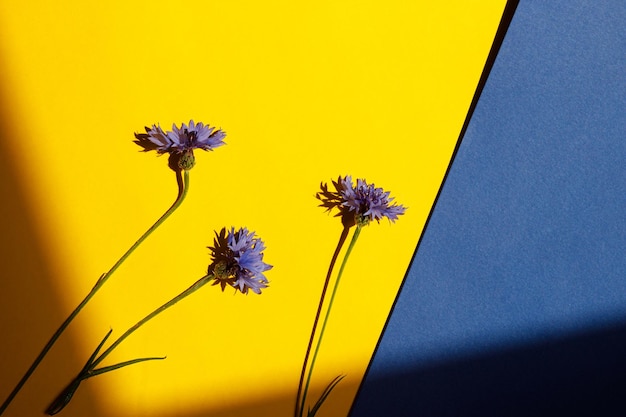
(325, 394)
(106, 369)
(95, 352)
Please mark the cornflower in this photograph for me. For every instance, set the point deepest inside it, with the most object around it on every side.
(237, 261)
(179, 143)
(356, 205)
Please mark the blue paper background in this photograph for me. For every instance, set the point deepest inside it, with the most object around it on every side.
(515, 302)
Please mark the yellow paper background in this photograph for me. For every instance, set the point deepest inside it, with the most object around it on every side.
(305, 92)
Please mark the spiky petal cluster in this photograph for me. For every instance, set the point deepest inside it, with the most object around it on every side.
(359, 204)
(180, 142)
(237, 260)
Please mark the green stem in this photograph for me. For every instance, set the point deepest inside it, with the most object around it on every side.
(342, 239)
(196, 286)
(330, 305)
(89, 370)
(182, 192)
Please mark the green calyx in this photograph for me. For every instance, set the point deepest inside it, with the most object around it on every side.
(362, 220)
(222, 271)
(187, 161)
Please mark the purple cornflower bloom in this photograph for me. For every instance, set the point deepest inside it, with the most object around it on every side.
(180, 142)
(359, 204)
(238, 261)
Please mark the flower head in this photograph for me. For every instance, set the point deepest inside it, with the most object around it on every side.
(238, 260)
(180, 142)
(359, 204)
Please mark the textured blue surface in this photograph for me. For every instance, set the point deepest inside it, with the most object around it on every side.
(515, 302)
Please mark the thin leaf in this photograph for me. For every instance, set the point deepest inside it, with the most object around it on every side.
(106, 369)
(325, 394)
(95, 352)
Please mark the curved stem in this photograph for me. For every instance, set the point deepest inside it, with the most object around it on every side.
(182, 192)
(89, 370)
(196, 286)
(342, 239)
(330, 305)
